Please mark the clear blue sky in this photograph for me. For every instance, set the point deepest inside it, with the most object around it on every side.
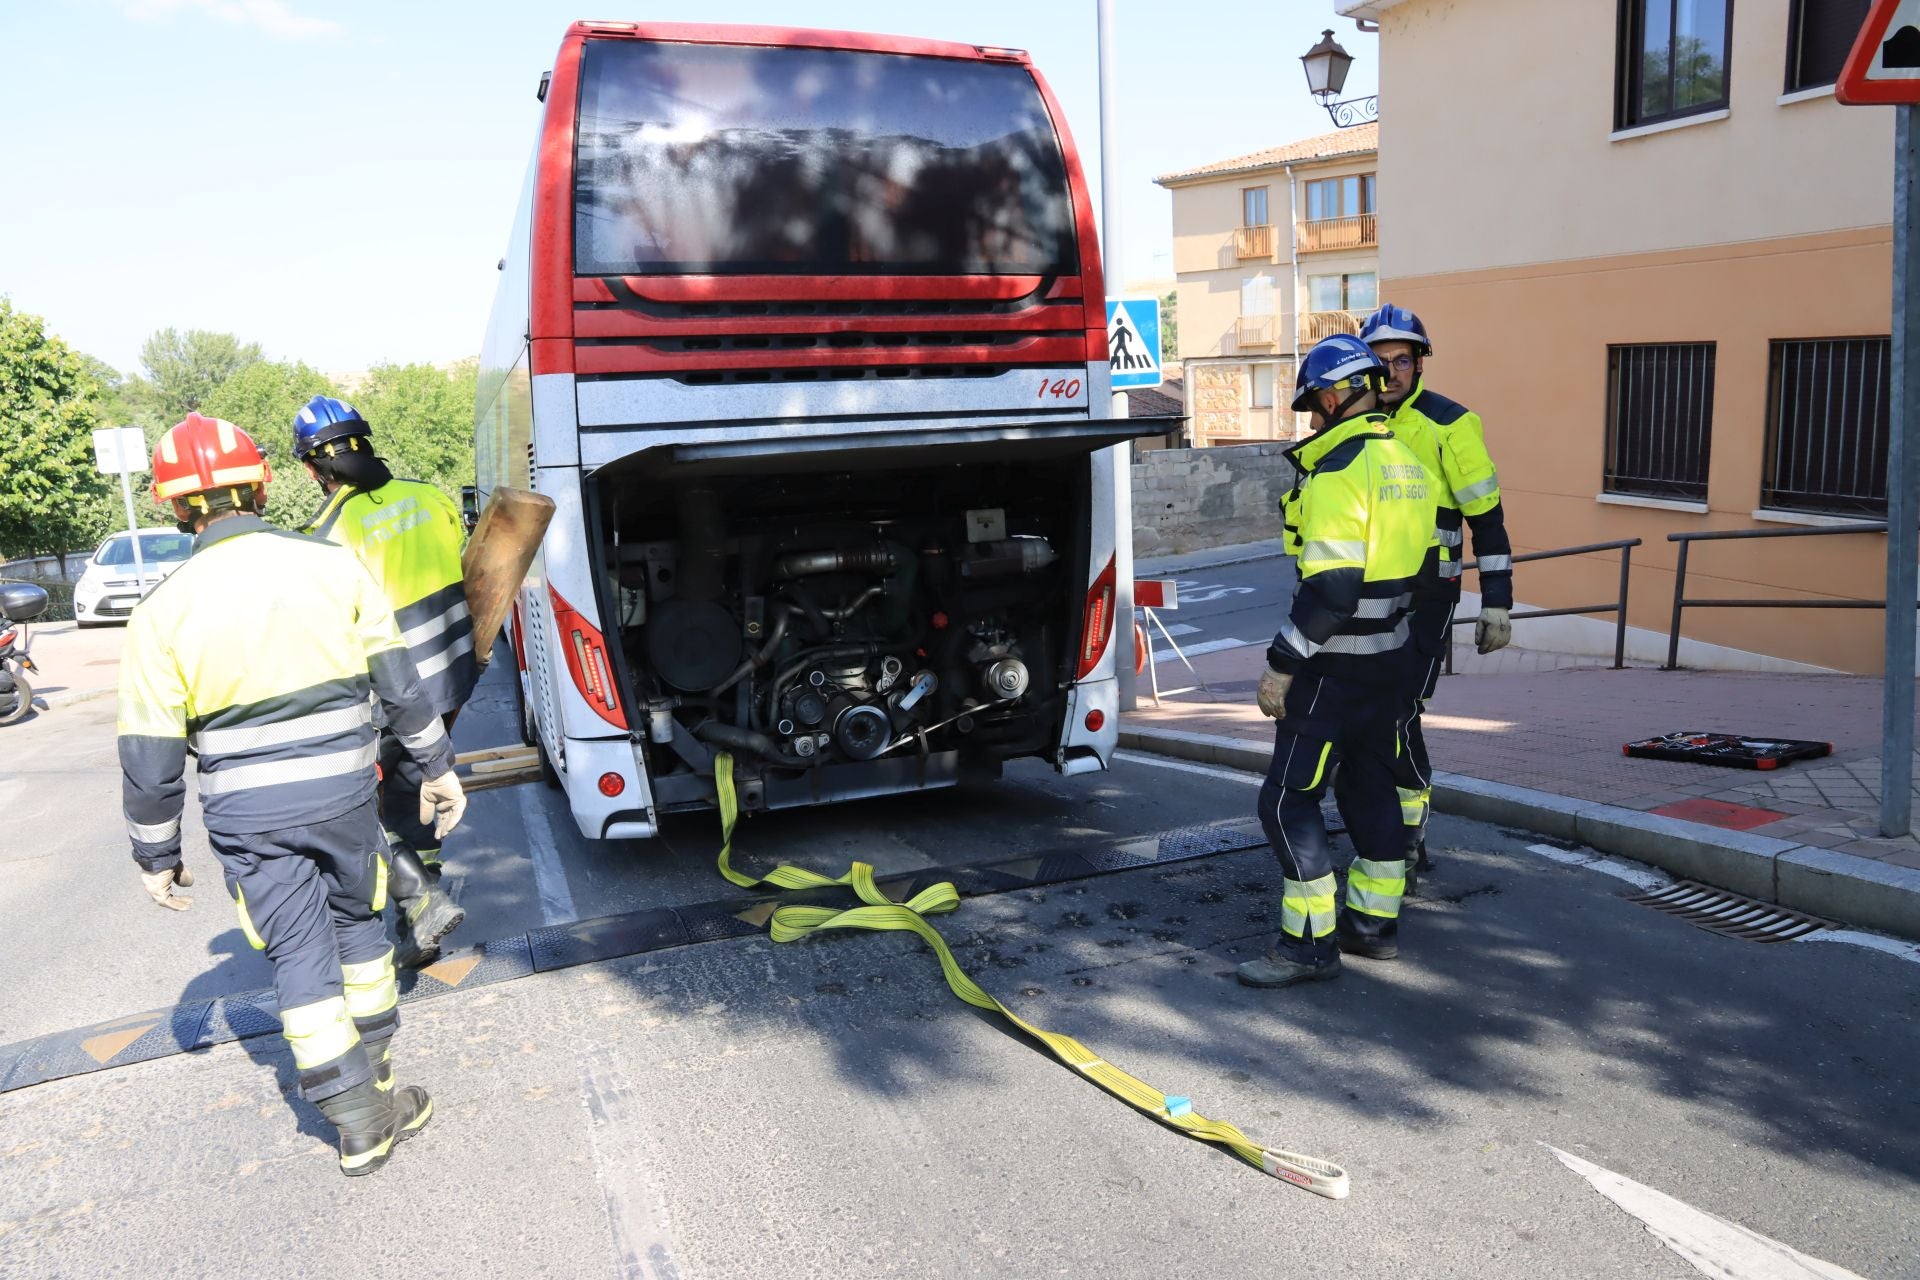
(335, 178)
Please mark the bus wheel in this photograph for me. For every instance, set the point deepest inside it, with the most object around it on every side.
(548, 774)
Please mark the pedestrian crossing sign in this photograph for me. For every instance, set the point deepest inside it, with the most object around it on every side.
(1133, 342)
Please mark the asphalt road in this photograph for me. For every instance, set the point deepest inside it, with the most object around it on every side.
(828, 1108)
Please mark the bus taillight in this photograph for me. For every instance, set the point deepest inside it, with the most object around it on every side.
(587, 662)
(1099, 625)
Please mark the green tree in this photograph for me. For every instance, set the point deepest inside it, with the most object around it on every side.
(1169, 327)
(262, 399)
(49, 408)
(186, 368)
(422, 419)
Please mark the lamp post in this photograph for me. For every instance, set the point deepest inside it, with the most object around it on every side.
(1327, 65)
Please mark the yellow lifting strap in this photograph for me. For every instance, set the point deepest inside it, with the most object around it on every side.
(881, 913)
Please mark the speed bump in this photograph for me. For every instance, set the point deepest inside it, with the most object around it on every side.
(198, 1025)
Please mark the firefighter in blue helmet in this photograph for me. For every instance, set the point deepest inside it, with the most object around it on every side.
(1449, 440)
(408, 534)
(1363, 514)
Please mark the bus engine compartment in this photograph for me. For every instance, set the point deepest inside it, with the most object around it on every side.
(911, 622)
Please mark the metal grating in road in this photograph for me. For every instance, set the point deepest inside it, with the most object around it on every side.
(1730, 914)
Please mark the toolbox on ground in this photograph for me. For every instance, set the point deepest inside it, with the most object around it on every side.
(1727, 749)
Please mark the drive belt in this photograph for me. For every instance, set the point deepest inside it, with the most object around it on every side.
(881, 914)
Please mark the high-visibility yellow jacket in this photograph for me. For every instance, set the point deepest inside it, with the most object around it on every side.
(408, 535)
(1365, 521)
(262, 654)
(1448, 438)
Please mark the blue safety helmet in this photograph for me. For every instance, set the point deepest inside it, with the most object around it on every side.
(1396, 324)
(1340, 361)
(324, 420)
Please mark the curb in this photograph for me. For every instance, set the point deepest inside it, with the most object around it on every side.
(1801, 877)
(1194, 561)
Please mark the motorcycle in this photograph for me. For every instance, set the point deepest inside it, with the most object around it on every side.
(20, 603)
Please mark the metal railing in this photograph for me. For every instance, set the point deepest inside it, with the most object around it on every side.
(1618, 608)
(1681, 602)
(1358, 231)
(1315, 325)
(1253, 331)
(1253, 242)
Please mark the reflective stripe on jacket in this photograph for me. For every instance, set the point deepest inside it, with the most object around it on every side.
(262, 655)
(1365, 524)
(408, 535)
(1450, 440)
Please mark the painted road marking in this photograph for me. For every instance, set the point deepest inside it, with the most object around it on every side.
(636, 1211)
(1182, 766)
(1205, 646)
(1872, 941)
(1640, 877)
(1713, 1246)
(549, 877)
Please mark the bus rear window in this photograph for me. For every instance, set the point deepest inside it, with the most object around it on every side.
(697, 159)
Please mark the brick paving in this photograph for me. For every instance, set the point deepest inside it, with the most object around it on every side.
(1561, 731)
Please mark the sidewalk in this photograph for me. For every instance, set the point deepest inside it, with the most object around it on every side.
(76, 665)
(1547, 744)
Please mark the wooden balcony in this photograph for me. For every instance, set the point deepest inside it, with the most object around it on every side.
(1316, 325)
(1360, 231)
(1253, 242)
(1253, 332)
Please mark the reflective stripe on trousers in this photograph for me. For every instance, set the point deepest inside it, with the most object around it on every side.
(1376, 887)
(1305, 904)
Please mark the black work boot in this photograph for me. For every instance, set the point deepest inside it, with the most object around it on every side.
(426, 915)
(1370, 947)
(1277, 970)
(366, 1119)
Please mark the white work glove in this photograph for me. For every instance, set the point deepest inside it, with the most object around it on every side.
(1273, 694)
(1493, 631)
(159, 886)
(442, 802)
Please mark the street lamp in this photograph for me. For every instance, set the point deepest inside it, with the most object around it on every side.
(1327, 65)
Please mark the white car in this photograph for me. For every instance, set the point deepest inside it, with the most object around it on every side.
(111, 585)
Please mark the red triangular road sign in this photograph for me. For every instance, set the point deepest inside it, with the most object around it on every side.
(1885, 63)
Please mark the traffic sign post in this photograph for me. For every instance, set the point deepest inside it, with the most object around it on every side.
(123, 450)
(1884, 67)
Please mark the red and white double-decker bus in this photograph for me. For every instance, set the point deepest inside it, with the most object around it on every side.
(805, 335)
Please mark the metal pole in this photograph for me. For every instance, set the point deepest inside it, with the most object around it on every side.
(133, 529)
(1620, 619)
(1903, 478)
(1679, 594)
(1122, 453)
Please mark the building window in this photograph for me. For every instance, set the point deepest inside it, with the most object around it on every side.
(1659, 419)
(1260, 387)
(1340, 197)
(1672, 59)
(1256, 296)
(1820, 33)
(1253, 207)
(1359, 291)
(1828, 410)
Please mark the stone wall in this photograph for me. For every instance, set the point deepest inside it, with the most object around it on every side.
(1194, 499)
(1219, 401)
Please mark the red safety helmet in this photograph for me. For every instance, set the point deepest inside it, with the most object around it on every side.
(203, 454)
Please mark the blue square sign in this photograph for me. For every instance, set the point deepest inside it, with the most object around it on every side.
(1133, 342)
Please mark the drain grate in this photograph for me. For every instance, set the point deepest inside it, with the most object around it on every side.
(1731, 914)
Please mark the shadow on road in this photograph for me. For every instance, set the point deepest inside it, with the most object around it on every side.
(233, 971)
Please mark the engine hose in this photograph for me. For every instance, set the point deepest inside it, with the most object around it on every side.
(759, 744)
(761, 658)
(802, 564)
(800, 597)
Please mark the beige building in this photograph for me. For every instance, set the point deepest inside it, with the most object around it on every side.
(1272, 252)
(1655, 254)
